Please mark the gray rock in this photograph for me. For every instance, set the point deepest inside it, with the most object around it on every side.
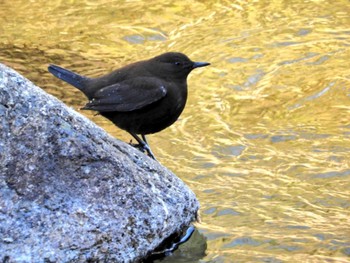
(69, 192)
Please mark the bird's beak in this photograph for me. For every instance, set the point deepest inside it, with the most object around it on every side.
(200, 64)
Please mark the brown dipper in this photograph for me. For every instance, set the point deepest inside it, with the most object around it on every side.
(142, 98)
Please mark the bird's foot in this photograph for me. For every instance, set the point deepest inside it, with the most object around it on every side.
(149, 152)
(137, 146)
(143, 147)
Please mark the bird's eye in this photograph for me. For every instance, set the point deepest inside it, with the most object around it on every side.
(177, 63)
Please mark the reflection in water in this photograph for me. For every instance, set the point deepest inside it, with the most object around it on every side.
(191, 251)
(265, 136)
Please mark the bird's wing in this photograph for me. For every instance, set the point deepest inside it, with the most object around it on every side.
(127, 96)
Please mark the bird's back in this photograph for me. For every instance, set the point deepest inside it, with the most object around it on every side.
(118, 76)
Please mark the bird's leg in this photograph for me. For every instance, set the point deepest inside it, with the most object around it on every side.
(148, 148)
(143, 143)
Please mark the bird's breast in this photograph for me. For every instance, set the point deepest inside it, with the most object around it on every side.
(176, 96)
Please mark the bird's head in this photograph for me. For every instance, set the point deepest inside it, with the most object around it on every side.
(175, 65)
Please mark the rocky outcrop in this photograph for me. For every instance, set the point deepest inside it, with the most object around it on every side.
(69, 192)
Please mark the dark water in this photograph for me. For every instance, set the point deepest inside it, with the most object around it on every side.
(264, 140)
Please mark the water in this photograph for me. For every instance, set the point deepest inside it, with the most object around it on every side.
(264, 141)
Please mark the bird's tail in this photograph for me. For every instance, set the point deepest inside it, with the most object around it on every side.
(72, 78)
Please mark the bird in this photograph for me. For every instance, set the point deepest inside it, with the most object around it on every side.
(141, 98)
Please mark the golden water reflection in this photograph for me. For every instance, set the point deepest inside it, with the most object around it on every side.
(264, 140)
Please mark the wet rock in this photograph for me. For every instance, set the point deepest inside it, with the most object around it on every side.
(69, 192)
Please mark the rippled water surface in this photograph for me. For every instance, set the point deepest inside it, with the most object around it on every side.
(264, 141)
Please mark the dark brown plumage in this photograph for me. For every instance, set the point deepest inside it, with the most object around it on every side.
(142, 98)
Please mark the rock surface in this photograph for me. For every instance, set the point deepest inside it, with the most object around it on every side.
(69, 192)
